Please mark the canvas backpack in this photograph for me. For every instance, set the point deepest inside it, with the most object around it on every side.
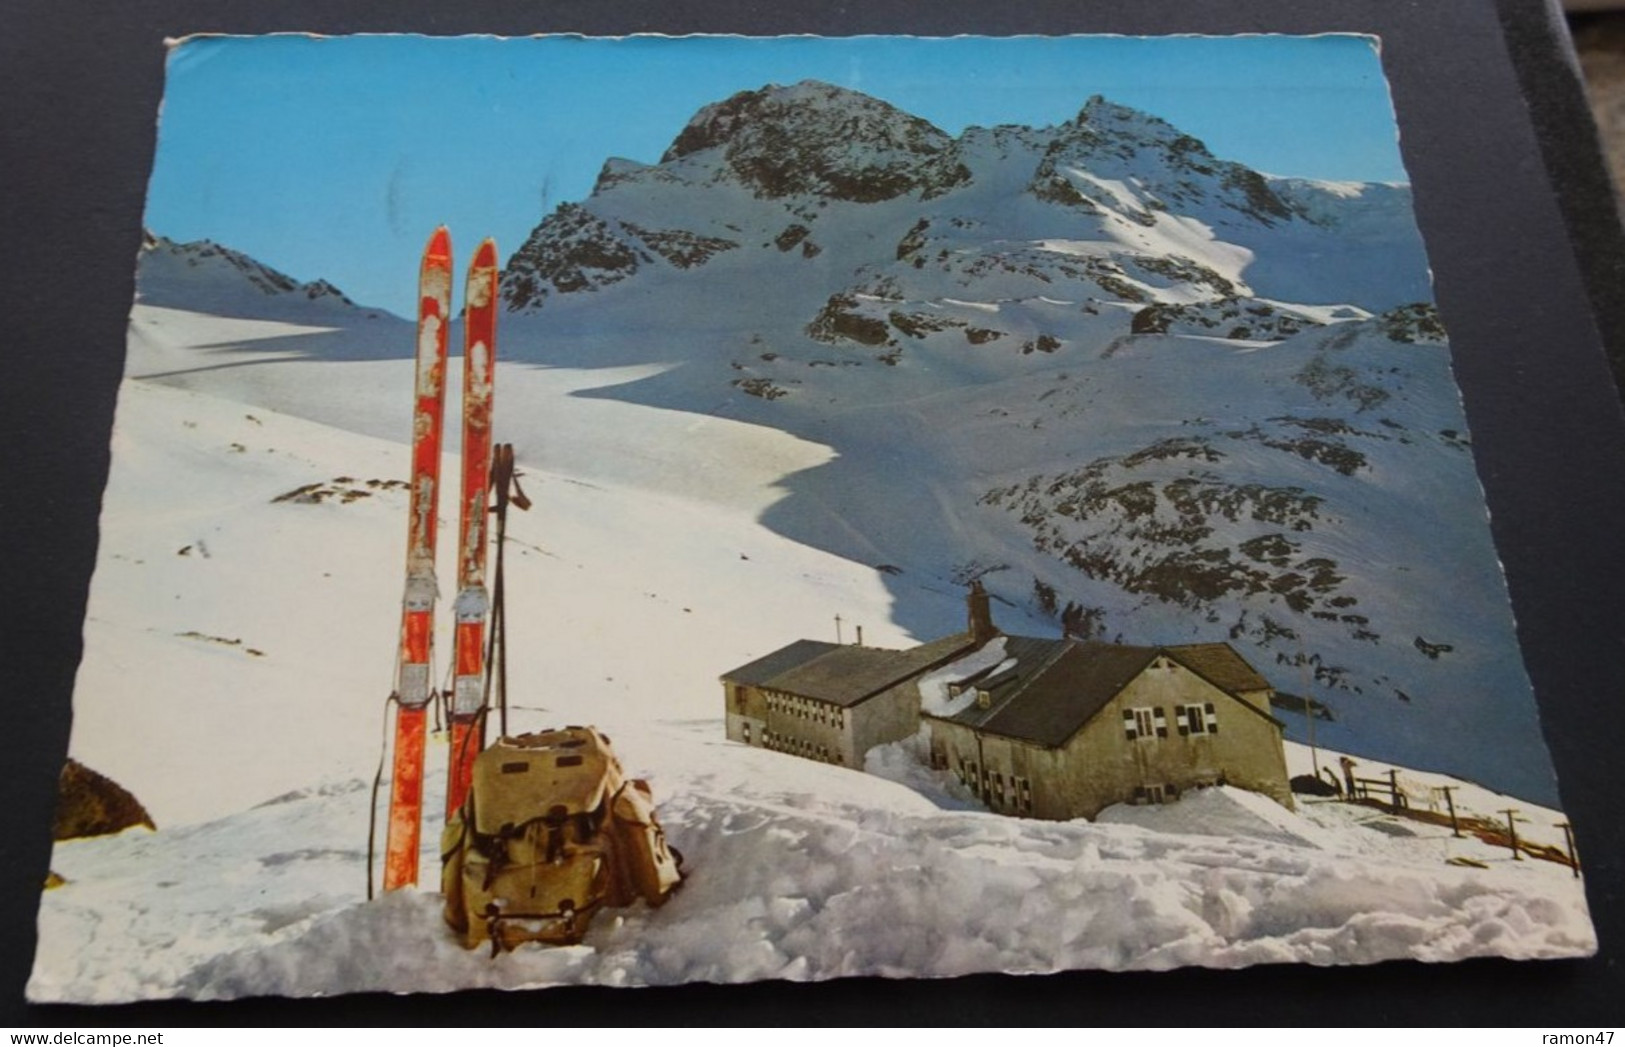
(552, 830)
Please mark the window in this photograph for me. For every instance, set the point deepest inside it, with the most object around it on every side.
(1144, 722)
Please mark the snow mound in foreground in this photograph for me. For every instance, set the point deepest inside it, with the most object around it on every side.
(1223, 811)
(798, 887)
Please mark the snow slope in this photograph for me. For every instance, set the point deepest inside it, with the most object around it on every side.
(1090, 364)
(239, 644)
(246, 553)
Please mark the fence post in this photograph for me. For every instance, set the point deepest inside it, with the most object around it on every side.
(1449, 801)
(1568, 838)
(1512, 830)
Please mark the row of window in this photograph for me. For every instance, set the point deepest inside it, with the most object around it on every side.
(1143, 722)
(1001, 792)
(785, 743)
(806, 709)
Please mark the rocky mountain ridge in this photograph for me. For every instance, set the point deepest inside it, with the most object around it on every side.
(209, 277)
(813, 155)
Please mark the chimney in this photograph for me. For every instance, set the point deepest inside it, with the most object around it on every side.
(980, 614)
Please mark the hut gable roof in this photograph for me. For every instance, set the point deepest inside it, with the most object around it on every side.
(1220, 665)
(1058, 686)
(765, 668)
(843, 674)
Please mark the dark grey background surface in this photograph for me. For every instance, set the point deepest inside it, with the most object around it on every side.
(1530, 273)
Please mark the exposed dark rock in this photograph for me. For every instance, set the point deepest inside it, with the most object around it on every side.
(839, 320)
(572, 250)
(1228, 317)
(817, 139)
(761, 387)
(1162, 537)
(919, 324)
(913, 240)
(681, 248)
(1433, 650)
(1262, 203)
(793, 234)
(1418, 322)
(92, 804)
(1153, 319)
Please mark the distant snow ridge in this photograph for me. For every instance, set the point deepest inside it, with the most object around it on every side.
(204, 276)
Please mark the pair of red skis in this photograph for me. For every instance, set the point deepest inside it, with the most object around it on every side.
(414, 688)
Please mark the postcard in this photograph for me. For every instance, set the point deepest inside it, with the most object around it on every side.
(650, 510)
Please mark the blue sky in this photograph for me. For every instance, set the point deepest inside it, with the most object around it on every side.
(336, 157)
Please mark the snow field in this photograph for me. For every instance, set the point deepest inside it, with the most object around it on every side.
(228, 632)
(798, 870)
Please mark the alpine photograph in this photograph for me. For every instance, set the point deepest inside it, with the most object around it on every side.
(653, 510)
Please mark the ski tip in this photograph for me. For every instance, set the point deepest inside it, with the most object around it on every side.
(439, 244)
(486, 255)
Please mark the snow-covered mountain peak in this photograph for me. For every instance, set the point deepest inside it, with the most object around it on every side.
(1146, 165)
(815, 138)
(1104, 117)
(783, 175)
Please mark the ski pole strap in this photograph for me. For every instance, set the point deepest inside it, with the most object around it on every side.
(504, 481)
